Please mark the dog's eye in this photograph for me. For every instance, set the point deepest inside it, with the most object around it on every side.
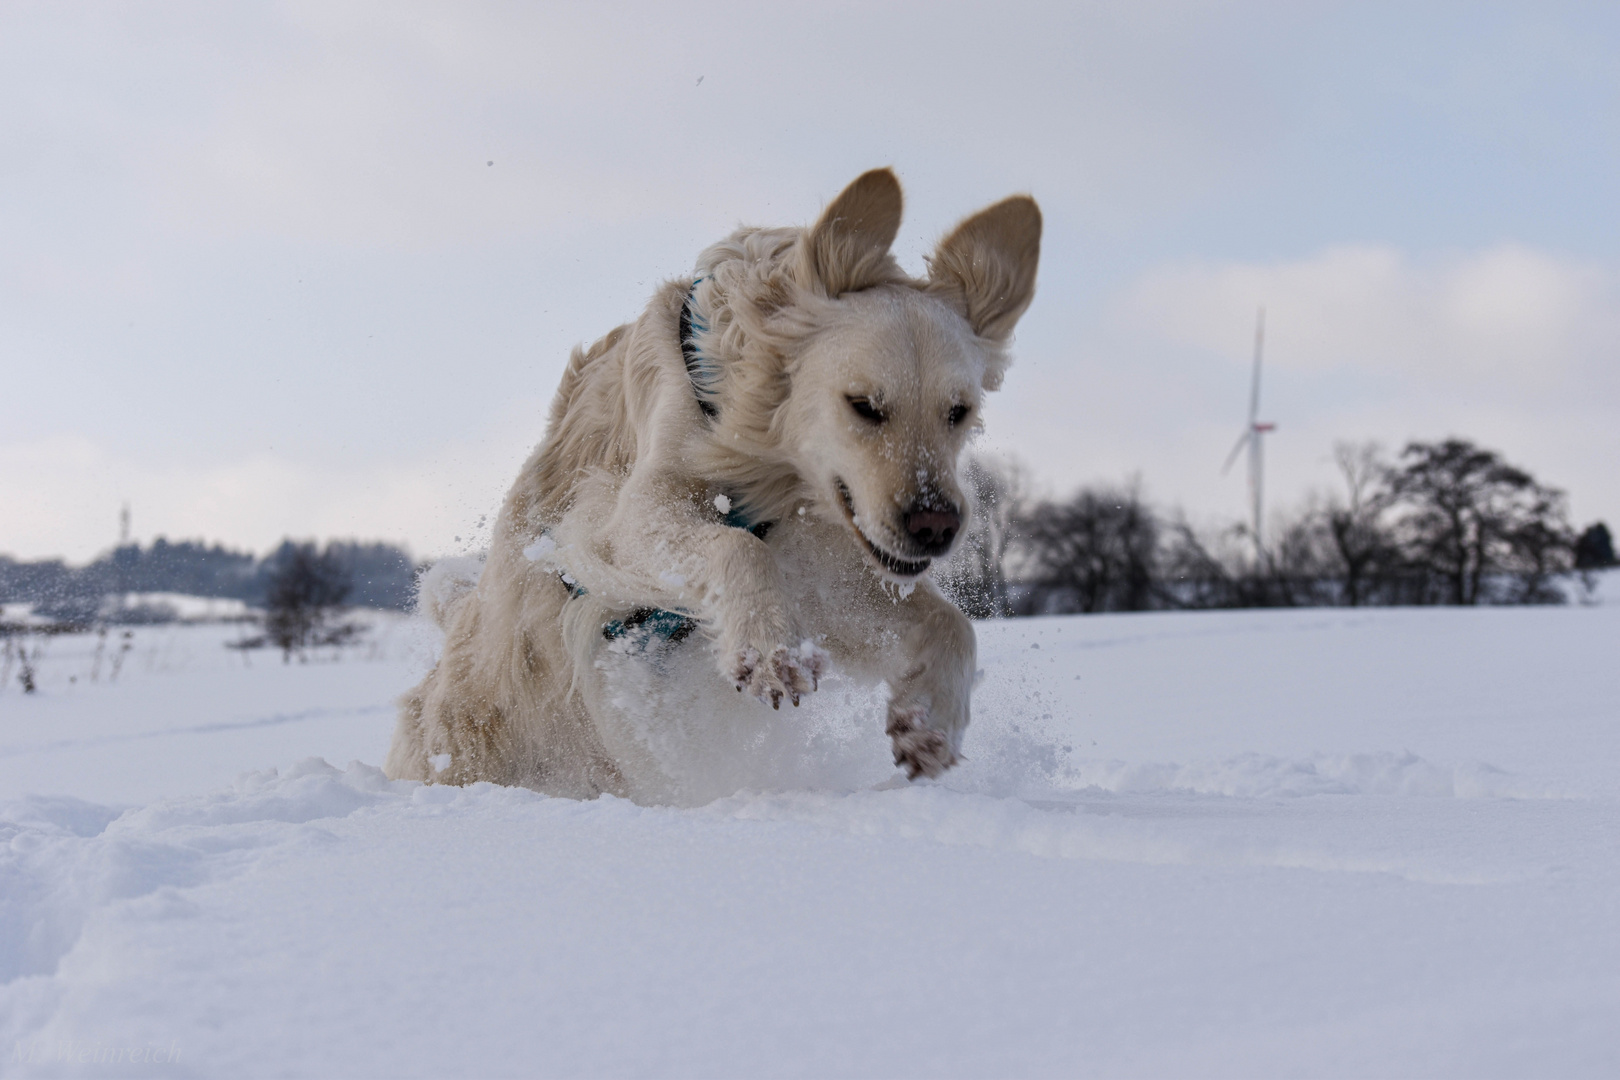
(866, 410)
(958, 414)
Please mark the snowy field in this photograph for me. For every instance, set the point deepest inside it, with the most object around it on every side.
(1301, 843)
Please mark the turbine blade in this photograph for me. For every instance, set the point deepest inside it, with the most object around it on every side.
(1259, 349)
(1236, 450)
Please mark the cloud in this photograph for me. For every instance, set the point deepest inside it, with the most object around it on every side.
(1505, 320)
(258, 252)
(373, 126)
(62, 497)
(1511, 346)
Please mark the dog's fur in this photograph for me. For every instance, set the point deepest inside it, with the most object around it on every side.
(840, 393)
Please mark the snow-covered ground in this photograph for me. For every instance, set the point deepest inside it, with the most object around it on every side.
(1304, 843)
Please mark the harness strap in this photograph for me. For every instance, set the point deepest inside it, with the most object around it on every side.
(699, 368)
(672, 626)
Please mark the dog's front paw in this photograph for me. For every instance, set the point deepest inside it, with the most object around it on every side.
(785, 672)
(918, 748)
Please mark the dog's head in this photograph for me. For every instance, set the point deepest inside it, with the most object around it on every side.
(888, 384)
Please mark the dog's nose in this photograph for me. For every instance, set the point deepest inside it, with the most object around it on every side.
(932, 530)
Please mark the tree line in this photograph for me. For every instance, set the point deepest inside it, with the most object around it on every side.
(1445, 522)
(374, 575)
(304, 593)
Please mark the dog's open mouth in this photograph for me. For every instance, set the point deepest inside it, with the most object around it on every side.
(892, 563)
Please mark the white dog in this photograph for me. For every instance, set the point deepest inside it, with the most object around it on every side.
(756, 474)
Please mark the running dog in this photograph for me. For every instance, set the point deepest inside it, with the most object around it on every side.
(757, 472)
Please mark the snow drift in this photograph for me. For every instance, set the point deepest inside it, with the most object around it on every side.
(1284, 843)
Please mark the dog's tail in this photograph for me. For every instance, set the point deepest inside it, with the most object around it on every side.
(441, 588)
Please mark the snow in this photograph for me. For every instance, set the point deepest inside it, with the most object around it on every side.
(448, 579)
(22, 614)
(1322, 843)
(181, 606)
(186, 714)
(541, 549)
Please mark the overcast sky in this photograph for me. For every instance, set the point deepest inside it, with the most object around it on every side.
(314, 270)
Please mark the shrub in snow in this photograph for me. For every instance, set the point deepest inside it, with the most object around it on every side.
(303, 597)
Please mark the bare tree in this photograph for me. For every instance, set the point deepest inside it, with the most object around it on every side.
(1361, 540)
(1450, 523)
(126, 642)
(1206, 573)
(1099, 551)
(1594, 550)
(305, 591)
(1218, 570)
(26, 675)
(1541, 548)
(1465, 517)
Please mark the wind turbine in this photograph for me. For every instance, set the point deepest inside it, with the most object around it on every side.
(1251, 438)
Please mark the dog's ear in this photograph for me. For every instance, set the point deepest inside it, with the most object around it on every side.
(848, 248)
(986, 266)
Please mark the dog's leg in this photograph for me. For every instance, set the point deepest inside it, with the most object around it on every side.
(762, 649)
(914, 640)
(929, 704)
(919, 644)
(651, 546)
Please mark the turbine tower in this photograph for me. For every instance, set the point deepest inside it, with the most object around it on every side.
(1251, 438)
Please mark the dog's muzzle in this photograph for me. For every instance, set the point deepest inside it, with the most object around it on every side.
(894, 564)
